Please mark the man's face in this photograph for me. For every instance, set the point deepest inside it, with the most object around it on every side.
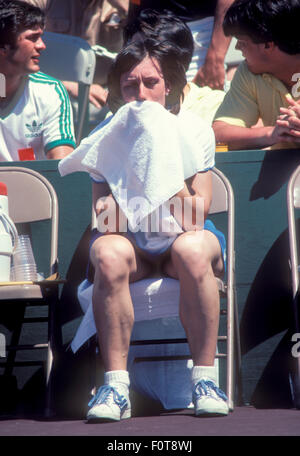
(24, 57)
(256, 55)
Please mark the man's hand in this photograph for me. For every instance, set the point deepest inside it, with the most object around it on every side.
(212, 73)
(97, 94)
(289, 121)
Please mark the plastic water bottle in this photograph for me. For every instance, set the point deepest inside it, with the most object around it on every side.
(8, 236)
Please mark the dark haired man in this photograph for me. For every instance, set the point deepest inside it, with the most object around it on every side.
(266, 85)
(35, 112)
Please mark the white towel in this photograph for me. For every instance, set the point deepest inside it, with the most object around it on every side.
(143, 152)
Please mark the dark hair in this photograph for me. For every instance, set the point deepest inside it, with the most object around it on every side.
(131, 55)
(15, 18)
(163, 26)
(265, 21)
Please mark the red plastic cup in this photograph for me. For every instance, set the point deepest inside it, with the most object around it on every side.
(26, 154)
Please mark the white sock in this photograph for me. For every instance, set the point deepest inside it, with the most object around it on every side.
(119, 379)
(203, 373)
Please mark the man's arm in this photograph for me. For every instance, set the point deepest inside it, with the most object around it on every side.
(97, 94)
(59, 152)
(243, 138)
(58, 127)
(212, 73)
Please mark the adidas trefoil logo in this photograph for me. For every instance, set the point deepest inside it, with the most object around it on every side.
(34, 128)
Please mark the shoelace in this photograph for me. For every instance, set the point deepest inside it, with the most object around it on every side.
(206, 387)
(105, 395)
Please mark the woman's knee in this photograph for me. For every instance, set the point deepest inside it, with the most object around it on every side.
(193, 255)
(112, 258)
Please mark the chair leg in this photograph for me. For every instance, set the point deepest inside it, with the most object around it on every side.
(15, 339)
(238, 355)
(52, 343)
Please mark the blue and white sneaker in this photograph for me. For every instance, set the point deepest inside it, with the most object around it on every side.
(108, 405)
(208, 399)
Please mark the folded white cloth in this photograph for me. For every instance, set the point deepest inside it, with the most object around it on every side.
(152, 298)
(143, 152)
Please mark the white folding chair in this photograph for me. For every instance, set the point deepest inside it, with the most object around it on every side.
(293, 203)
(223, 201)
(70, 58)
(32, 199)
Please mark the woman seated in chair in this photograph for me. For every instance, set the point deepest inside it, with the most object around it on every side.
(151, 72)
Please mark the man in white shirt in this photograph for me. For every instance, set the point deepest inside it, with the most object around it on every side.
(35, 112)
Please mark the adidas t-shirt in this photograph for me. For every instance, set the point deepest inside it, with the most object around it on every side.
(38, 116)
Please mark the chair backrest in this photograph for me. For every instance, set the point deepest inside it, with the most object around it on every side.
(32, 198)
(221, 192)
(223, 201)
(293, 202)
(68, 58)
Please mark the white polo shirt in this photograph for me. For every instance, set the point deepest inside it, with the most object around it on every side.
(38, 116)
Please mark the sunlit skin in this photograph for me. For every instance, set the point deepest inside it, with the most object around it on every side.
(24, 57)
(254, 54)
(144, 81)
(21, 59)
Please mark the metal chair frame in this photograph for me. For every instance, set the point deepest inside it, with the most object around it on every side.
(31, 199)
(222, 201)
(293, 203)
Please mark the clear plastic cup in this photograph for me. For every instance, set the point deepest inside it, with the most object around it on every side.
(24, 266)
(25, 272)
